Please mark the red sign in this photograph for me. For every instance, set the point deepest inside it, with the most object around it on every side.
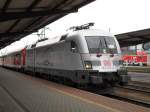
(135, 58)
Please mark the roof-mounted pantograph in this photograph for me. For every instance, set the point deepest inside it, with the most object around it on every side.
(81, 27)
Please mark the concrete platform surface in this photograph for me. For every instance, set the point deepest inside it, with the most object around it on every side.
(20, 93)
(7, 104)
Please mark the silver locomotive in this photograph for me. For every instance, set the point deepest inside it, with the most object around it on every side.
(84, 56)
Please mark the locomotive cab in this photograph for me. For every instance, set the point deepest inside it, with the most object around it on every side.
(104, 56)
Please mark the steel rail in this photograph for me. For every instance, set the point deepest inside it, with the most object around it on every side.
(137, 96)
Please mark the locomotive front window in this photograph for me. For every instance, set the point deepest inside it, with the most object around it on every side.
(111, 44)
(95, 44)
(101, 44)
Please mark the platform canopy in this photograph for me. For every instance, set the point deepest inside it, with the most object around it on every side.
(19, 18)
(133, 38)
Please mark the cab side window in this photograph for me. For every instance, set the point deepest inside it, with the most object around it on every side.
(74, 47)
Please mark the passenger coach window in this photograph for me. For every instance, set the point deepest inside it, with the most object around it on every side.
(74, 48)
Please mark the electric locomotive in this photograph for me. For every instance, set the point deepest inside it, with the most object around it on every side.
(83, 55)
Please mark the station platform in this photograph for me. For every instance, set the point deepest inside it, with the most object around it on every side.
(24, 93)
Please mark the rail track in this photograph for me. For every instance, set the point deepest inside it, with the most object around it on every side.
(140, 84)
(134, 92)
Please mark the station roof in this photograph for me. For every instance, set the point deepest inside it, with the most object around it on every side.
(133, 38)
(19, 18)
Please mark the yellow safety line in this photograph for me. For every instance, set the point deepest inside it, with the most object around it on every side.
(85, 100)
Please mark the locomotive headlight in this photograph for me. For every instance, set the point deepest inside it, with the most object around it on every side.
(88, 64)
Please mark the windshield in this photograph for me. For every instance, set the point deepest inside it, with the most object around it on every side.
(101, 44)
